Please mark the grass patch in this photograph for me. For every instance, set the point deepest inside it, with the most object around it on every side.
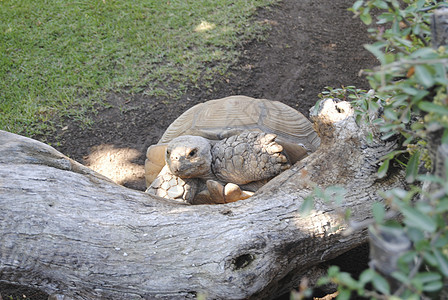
(59, 57)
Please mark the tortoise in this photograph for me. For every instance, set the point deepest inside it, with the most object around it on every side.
(240, 136)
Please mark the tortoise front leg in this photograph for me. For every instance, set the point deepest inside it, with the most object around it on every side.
(220, 194)
(248, 157)
(167, 185)
(217, 193)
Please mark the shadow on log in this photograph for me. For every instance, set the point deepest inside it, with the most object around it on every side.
(68, 230)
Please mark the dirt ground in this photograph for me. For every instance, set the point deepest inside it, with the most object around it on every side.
(312, 44)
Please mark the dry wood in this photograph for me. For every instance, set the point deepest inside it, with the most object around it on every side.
(67, 230)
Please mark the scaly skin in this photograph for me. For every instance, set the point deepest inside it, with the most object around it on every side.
(248, 157)
(241, 159)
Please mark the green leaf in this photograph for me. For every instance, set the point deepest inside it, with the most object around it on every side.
(357, 5)
(402, 41)
(405, 261)
(395, 29)
(423, 52)
(366, 276)
(400, 277)
(323, 281)
(392, 154)
(333, 271)
(440, 74)
(442, 262)
(390, 114)
(316, 107)
(408, 140)
(422, 245)
(420, 4)
(343, 295)
(415, 234)
(442, 205)
(434, 108)
(433, 286)
(381, 284)
(430, 178)
(388, 127)
(377, 52)
(409, 90)
(380, 4)
(366, 18)
(348, 281)
(430, 259)
(442, 241)
(419, 96)
(428, 277)
(399, 193)
(416, 29)
(412, 297)
(307, 206)
(446, 175)
(412, 167)
(385, 17)
(382, 171)
(415, 218)
(417, 126)
(406, 117)
(408, 257)
(424, 207)
(369, 138)
(378, 212)
(424, 75)
(390, 58)
(417, 284)
(445, 136)
(399, 99)
(319, 193)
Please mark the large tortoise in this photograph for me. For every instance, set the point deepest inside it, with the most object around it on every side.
(250, 141)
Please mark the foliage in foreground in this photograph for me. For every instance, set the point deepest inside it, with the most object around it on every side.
(409, 96)
(60, 57)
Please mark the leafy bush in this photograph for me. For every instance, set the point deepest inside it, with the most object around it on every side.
(409, 88)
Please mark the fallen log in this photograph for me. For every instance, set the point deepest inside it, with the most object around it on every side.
(68, 230)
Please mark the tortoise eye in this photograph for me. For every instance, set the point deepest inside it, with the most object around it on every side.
(192, 153)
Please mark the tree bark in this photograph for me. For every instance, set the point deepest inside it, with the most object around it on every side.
(68, 230)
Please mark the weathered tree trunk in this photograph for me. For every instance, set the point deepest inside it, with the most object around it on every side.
(67, 230)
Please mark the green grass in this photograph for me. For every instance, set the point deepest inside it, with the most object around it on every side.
(58, 58)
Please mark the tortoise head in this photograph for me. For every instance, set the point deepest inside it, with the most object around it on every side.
(189, 157)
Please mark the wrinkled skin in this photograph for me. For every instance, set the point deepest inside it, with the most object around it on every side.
(201, 171)
(190, 157)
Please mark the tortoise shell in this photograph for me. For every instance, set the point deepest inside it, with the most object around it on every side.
(222, 118)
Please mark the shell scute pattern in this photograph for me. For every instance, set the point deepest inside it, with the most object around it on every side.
(250, 139)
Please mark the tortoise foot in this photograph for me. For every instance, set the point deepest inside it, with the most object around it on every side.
(226, 194)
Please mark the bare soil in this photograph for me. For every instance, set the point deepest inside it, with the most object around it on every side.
(311, 45)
